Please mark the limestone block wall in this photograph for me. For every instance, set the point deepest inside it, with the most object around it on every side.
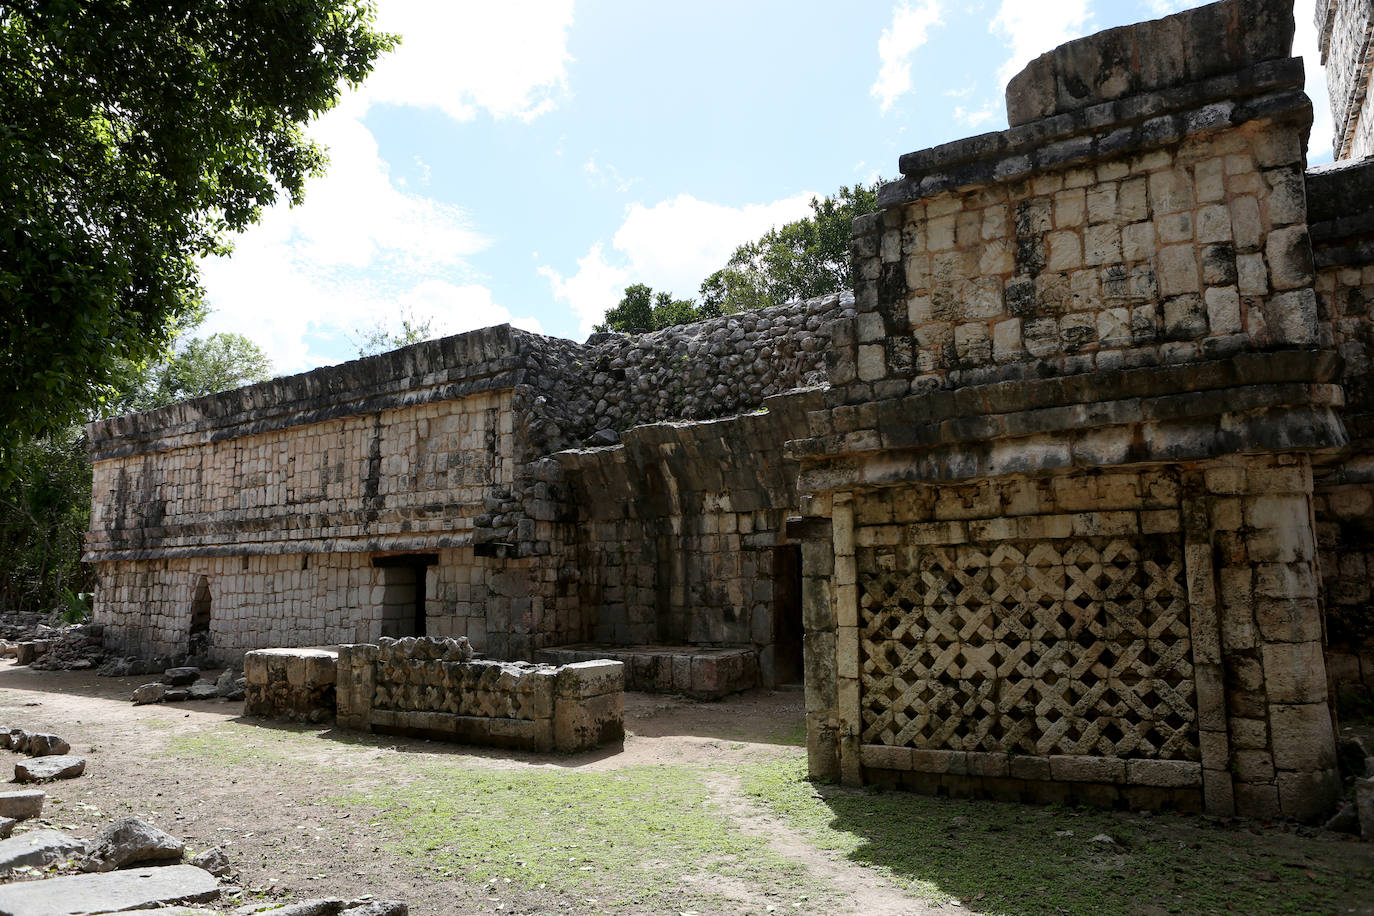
(1188, 248)
(264, 601)
(1065, 473)
(681, 530)
(416, 475)
(1341, 216)
(1344, 30)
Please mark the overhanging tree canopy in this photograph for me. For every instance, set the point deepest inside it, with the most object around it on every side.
(134, 136)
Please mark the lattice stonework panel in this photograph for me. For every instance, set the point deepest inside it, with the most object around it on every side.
(1072, 646)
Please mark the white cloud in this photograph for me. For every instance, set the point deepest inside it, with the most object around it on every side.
(594, 287)
(672, 245)
(508, 58)
(607, 175)
(977, 117)
(362, 248)
(1031, 29)
(897, 44)
(1167, 7)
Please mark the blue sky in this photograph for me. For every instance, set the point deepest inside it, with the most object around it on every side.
(526, 160)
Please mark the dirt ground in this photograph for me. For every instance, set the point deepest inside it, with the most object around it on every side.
(283, 845)
(269, 793)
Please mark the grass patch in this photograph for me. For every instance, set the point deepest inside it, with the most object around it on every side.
(640, 837)
(1015, 860)
(235, 745)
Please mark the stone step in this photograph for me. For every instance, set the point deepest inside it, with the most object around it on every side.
(109, 892)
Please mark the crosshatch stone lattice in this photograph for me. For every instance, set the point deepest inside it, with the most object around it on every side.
(1072, 646)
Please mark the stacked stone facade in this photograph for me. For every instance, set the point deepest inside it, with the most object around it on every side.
(321, 509)
(1067, 458)
(1071, 497)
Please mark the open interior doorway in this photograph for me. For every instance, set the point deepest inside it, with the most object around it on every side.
(403, 592)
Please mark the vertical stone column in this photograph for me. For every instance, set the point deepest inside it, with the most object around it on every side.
(1205, 635)
(845, 615)
(818, 650)
(1282, 742)
(354, 685)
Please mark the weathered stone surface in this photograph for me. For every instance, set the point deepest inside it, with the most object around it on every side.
(37, 848)
(40, 745)
(202, 690)
(149, 693)
(378, 908)
(214, 860)
(7, 825)
(22, 804)
(63, 766)
(131, 841)
(1364, 807)
(180, 677)
(120, 891)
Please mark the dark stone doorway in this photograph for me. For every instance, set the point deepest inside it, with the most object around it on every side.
(199, 642)
(787, 614)
(403, 592)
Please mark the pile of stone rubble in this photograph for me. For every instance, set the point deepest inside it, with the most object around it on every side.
(54, 648)
(131, 867)
(179, 684)
(51, 755)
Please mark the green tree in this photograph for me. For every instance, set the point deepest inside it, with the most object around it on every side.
(643, 310)
(201, 366)
(45, 503)
(134, 138)
(381, 338)
(809, 257)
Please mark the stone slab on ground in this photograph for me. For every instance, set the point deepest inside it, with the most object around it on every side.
(63, 766)
(38, 847)
(110, 892)
(22, 803)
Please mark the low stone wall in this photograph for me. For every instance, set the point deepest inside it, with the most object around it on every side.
(702, 672)
(290, 684)
(423, 687)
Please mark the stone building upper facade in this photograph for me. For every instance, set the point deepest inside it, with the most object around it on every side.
(1070, 500)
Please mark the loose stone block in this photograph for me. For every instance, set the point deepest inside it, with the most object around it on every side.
(22, 804)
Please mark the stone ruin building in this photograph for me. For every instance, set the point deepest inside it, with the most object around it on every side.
(1071, 500)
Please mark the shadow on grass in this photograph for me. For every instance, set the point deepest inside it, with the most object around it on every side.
(1022, 860)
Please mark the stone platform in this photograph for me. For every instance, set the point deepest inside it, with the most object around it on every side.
(703, 672)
